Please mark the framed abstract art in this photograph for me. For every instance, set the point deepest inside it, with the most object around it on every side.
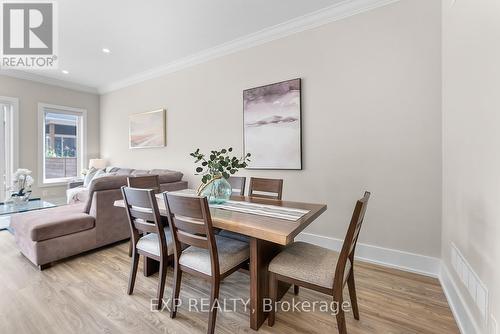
(273, 125)
(147, 130)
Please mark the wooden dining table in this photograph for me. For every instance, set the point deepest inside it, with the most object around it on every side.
(268, 235)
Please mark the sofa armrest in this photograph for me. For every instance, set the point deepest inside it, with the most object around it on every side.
(111, 221)
(74, 184)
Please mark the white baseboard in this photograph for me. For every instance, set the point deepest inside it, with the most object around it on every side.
(415, 263)
(458, 306)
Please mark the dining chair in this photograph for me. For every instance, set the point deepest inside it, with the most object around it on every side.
(209, 256)
(144, 216)
(143, 182)
(266, 188)
(320, 269)
(237, 185)
(260, 188)
(238, 188)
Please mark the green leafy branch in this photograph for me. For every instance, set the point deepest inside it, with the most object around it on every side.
(218, 164)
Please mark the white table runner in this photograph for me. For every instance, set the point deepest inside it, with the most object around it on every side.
(262, 210)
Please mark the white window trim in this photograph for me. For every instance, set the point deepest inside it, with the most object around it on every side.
(14, 137)
(42, 182)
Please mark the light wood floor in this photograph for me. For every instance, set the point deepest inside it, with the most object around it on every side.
(86, 294)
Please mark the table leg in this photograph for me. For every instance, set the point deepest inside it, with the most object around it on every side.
(151, 266)
(261, 253)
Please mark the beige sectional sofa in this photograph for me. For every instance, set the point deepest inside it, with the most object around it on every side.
(78, 191)
(52, 234)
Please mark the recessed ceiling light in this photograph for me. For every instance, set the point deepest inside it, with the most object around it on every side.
(65, 72)
(106, 50)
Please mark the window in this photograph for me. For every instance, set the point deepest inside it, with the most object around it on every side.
(63, 139)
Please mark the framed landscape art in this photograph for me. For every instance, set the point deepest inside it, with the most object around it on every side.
(272, 125)
(147, 130)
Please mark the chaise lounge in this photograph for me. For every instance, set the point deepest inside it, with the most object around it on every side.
(53, 234)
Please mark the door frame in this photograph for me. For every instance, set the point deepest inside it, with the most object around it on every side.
(13, 137)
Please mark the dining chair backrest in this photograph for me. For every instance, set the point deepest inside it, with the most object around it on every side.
(237, 185)
(143, 213)
(191, 224)
(346, 257)
(266, 188)
(145, 182)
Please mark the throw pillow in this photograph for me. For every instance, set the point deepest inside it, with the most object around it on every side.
(88, 178)
(102, 173)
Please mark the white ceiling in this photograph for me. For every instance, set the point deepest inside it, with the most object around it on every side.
(144, 35)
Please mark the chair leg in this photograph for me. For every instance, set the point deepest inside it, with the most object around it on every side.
(161, 283)
(214, 296)
(175, 290)
(296, 290)
(131, 244)
(273, 295)
(337, 297)
(133, 273)
(341, 321)
(352, 293)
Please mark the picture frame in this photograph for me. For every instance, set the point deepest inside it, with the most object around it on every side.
(147, 129)
(272, 125)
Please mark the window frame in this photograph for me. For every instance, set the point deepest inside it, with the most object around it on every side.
(81, 139)
(63, 137)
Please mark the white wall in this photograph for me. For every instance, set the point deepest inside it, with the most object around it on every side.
(471, 141)
(31, 93)
(371, 119)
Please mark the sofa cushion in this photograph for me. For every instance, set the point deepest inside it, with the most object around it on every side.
(122, 171)
(77, 195)
(139, 172)
(63, 225)
(120, 179)
(108, 182)
(102, 173)
(52, 223)
(166, 176)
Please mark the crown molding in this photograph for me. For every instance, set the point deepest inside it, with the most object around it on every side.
(49, 81)
(312, 20)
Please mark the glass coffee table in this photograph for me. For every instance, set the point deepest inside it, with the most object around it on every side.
(8, 209)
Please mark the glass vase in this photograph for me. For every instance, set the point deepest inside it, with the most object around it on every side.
(20, 199)
(218, 191)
